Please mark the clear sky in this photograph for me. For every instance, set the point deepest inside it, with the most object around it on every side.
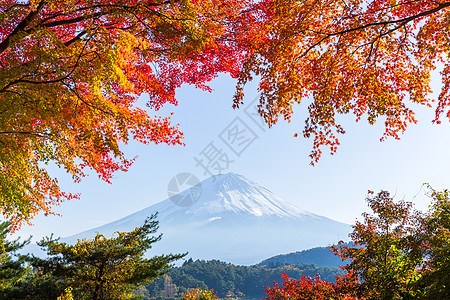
(336, 187)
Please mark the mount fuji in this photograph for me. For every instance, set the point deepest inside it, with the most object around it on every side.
(230, 218)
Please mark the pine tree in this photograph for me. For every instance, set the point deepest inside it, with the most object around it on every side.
(11, 264)
(106, 268)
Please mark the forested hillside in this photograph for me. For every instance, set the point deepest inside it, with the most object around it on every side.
(227, 280)
(320, 256)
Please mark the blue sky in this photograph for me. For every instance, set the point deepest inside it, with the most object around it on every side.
(336, 187)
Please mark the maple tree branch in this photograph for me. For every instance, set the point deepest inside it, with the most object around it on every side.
(84, 17)
(21, 26)
(75, 20)
(38, 134)
(23, 80)
(384, 9)
(16, 6)
(76, 38)
(99, 7)
(402, 22)
(87, 103)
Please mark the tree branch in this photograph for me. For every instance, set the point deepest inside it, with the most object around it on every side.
(402, 22)
(21, 27)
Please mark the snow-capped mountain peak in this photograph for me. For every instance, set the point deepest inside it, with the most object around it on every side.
(229, 217)
(234, 194)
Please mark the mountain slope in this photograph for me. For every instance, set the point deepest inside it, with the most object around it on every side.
(320, 256)
(234, 219)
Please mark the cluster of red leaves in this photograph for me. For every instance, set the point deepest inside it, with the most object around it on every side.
(313, 288)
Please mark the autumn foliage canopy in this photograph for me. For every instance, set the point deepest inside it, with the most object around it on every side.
(370, 58)
(72, 71)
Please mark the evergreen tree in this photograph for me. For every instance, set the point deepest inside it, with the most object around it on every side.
(105, 268)
(11, 264)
